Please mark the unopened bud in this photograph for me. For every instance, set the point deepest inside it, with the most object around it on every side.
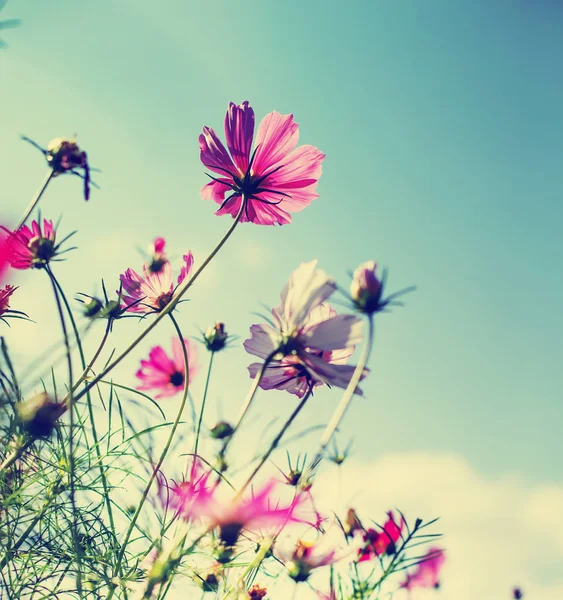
(366, 288)
(64, 155)
(298, 571)
(93, 308)
(216, 337)
(39, 414)
(257, 592)
(221, 431)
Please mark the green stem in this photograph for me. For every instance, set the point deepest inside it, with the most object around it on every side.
(247, 402)
(52, 495)
(86, 369)
(346, 398)
(255, 564)
(203, 403)
(71, 435)
(158, 465)
(277, 439)
(182, 289)
(35, 201)
(11, 459)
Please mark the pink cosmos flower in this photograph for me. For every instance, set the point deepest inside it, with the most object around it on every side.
(5, 294)
(32, 247)
(231, 516)
(427, 571)
(377, 543)
(185, 493)
(276, 178)
(154, 289)
(164, 373)
(314, 342)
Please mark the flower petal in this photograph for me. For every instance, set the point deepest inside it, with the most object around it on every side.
(263, 341)
(214, 190)
(341, 331)
(239, 130)
(188, 266)
(277, 136)
(307, 288)
(213, 154)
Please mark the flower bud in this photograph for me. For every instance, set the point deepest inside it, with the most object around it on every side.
(366, 288)
(298, 570)
(210, 583)
(257, 592)
(64, 155)
(39, 414)
(216, 337)
(93, 308)
(221, 431)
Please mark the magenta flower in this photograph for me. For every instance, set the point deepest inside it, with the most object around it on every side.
(231, 516)
(381, 542)
(154, 289)
(166, 374)
(314, 342)
(275, 178)
(186, 492)
(5, 294)
(32, 247)
(4, 254)
(427, 571)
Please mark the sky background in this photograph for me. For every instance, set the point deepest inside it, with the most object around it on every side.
(442, 123)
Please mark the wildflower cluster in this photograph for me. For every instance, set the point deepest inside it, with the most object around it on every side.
(104, 495)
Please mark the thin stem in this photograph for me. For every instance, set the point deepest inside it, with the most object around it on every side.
(71, 435)
(203, 402)
(86, 369)
(52, 495)
(248, 401)
(160, 460)
(11, 459)
(35, 201)
(278, 438)
(346, 398)
(182, 289)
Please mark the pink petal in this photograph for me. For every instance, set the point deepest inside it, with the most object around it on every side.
(341, 331)
(187, 268)
(263, 340)
(161, 360)
(215, 191)
(214, 155)
(239, 130)
(330, 374)
(277, 136)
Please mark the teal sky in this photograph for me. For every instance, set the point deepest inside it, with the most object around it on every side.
(443, 128)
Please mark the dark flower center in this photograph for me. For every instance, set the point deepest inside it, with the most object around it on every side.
(163, 300)
(229, 533)
(43, 249)
(177, 378)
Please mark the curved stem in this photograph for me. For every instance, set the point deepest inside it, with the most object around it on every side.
(182, 289)
(86, 369)
(35, 200)
(203, 402)
(70, 404)
(11, 459)
(278, 438)
(247, 402)
(160, 460)
(346, 398)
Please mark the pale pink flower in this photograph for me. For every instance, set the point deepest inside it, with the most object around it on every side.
(154, 289)
(305, 556)
(232, 515)
(427, 571)
(166, 374)
(32, 247)
(378, 542)
(275, 178)
(314, 342)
